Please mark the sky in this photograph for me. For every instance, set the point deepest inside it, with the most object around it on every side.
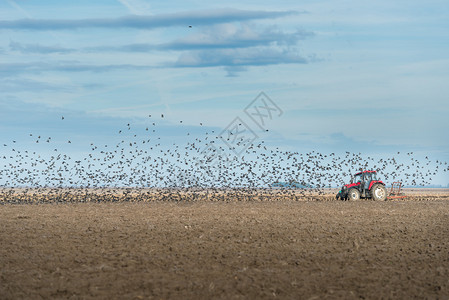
(358, 76)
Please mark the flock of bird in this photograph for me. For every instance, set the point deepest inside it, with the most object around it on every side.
(140, 165)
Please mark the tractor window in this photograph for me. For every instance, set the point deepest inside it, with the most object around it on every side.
(358, 178)
(373, 176)
(367, 177)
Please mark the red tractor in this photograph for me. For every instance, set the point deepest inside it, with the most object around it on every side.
(364, 185)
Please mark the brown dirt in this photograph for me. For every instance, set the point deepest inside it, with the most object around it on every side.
(207, 250)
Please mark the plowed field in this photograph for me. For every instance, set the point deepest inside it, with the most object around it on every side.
(219, 250)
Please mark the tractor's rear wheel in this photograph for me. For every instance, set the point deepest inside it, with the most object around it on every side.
(379, 192)
(353, 194)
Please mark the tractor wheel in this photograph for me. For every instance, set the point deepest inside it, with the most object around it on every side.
(379, 192)
(353, 194)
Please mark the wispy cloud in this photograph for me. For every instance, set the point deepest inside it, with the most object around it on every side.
(39, 67)
(191, 18)
(234, 60)
(234, 36)
(219, 37)
(18, 84)
(136, 7)
(222, 36)
(239, 57)
(232, 46)
(38, 48)
(38, 84)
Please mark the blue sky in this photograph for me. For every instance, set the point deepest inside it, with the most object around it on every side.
(357, 76)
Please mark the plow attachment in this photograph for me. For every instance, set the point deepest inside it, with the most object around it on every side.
(395, 191)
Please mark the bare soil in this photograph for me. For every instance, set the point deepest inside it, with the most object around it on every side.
(226, 250)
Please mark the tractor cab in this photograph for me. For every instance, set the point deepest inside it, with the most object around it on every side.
(365, 180)
(364, 185)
